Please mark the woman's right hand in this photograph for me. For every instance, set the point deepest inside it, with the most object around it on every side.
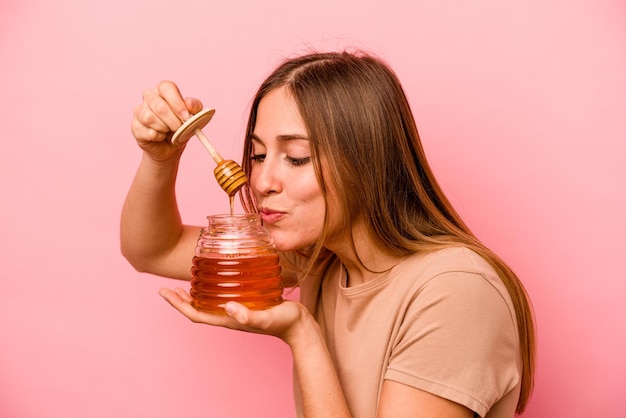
(155, 120)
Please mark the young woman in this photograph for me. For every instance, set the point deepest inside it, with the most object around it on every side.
(403, 311)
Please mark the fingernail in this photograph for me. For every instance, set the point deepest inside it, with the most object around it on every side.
(185, 115)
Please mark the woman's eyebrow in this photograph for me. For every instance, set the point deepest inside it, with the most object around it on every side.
(282, 138)
(292, 137)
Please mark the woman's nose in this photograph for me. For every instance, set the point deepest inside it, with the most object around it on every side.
(265, 178)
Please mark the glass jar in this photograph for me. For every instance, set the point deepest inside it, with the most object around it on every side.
(235, 259)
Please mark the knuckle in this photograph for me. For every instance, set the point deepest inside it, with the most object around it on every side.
(146, 116)
(152, 135)
(160, 107)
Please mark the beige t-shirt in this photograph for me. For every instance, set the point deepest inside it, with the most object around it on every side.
(441, 322)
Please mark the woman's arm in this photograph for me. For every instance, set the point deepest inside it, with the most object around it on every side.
(153, 238)
(321, 392)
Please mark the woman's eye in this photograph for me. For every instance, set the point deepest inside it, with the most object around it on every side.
(299, 161)
(296, 162)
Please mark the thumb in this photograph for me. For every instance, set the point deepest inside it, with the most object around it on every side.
(194, 105)
(238, 312)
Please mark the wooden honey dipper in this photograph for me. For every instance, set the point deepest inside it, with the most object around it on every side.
(229, 174)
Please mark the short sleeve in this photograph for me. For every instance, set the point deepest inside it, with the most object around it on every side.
(458, 340)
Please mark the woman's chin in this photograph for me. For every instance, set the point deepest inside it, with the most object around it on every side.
(286, 246)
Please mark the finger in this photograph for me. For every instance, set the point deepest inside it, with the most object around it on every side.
(194, 105)
(161, 111)
(147, 125)
(182, 304)
(169, 91)
(258, 321)
(172, 297)
(145, 134)
(238, 312)
(182, 293)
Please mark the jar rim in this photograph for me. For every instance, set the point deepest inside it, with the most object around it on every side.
(241, 220)
(234, 216)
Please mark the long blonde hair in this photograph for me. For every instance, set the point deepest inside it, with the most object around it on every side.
(359, 121)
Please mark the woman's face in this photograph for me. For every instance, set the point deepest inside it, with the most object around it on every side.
(289, 198)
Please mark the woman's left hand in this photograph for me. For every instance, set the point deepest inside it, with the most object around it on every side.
(279, 321)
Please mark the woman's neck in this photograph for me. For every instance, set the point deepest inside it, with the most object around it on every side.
(363, 261)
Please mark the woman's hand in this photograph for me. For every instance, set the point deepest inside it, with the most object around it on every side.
(162, 112)
(280, 321)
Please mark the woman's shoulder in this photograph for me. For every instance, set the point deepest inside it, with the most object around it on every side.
(456, 259)
(452, 270)
(456, 325)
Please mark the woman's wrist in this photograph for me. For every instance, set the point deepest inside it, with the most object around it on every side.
(319, 388)
(304, 332)
(171, 158)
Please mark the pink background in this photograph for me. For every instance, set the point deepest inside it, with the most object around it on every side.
(522, 110)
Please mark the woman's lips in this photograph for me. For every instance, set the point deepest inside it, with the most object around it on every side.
(270, 216)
